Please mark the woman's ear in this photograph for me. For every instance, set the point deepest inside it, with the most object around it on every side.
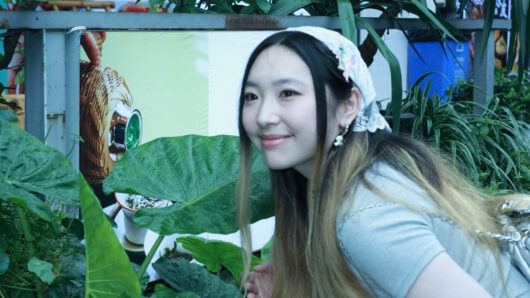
(348, 109)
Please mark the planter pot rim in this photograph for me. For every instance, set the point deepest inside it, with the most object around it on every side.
(122, 204)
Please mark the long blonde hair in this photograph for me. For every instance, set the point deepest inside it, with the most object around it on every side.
(306, 258)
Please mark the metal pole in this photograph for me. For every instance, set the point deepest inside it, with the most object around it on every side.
(72, 56)
(35, 85)
(483, 70)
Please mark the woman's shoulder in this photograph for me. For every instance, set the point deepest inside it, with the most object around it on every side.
(378, 230)
(382, 185)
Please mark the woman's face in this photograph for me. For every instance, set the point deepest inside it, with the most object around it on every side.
(279, 110)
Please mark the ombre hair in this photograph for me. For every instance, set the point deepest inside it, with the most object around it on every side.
(306, 259)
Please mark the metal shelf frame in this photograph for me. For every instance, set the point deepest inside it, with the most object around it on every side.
(52, 47)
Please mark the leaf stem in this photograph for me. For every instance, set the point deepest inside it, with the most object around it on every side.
(17, 288)
(28, 238)
(22, 280)
(149, 256)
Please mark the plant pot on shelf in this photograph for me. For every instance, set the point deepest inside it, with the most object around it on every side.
(130, 203)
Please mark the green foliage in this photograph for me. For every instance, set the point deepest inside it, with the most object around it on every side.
(4, 258)
(30, 232)
(35, 244)
(347, 20)
(199, 174)
(42, 269)
(266, 250)
(28, 228)
(61, 249)
(264, 5)
(20, 77)
(184, 276)
(24, 4)
(505, 89)
(490, 148)
(108, 270)
(214, 253)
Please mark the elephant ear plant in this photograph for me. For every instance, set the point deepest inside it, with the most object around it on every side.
(40, 250)
(199, 175)
(37, 255)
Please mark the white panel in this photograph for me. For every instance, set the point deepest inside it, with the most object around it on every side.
(228, 54)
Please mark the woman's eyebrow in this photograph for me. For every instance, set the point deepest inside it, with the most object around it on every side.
(251, 84)
(277, 82)
(288, 81)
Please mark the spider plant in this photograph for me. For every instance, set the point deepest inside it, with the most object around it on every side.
(490, 148)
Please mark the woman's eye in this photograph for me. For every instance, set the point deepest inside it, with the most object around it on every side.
(250, 97)
(287, 93)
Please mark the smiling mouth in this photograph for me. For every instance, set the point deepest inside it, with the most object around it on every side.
(272, 141)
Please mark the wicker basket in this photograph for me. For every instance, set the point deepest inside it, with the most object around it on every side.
(101, 90)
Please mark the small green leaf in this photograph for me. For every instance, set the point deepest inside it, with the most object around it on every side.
(160, 288)
(214, 253)
(264, 5)
(42, 269)
(4, 262)
(19, 79)
(266, 250)
(484, 130)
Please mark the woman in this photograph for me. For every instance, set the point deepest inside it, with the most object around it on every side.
(359, 211)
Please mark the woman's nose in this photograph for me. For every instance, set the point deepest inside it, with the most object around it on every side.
(268, 113)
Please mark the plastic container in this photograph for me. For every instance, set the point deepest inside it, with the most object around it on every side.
(448, 70)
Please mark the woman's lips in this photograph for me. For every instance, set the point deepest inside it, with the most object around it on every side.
(272, 140)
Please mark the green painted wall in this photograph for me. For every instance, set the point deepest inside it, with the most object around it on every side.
(166, 73)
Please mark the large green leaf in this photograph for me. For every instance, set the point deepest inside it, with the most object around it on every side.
(427, 13)
(199, 174)
(264, 5)
(215, 253)
(395, 73)
(27, 166)
(182, 276)
(489, 13)
(347, 20)
(108, 270)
